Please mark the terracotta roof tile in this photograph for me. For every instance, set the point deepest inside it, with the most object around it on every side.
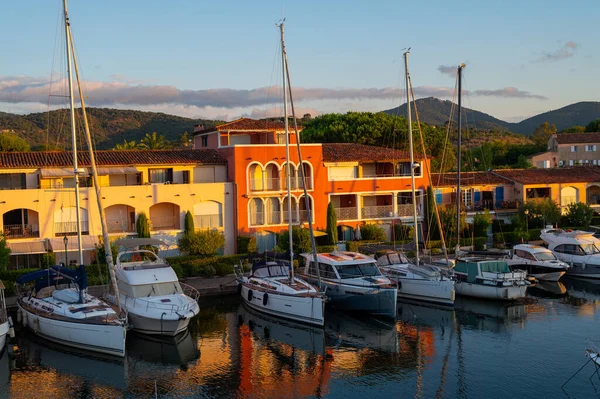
(468, 179)
(576, 174)
(577, 138)
(109, 158)
(349, 152)
(245, 124)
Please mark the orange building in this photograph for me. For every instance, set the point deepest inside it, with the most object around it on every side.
(366, 184)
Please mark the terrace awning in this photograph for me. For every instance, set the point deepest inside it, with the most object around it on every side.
(28, 248)
(117, 170)
(88, 243)
(61, 172)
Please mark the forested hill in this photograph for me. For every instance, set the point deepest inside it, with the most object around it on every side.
(436, 112)
(108, 126)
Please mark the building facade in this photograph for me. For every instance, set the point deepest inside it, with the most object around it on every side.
(569, 149)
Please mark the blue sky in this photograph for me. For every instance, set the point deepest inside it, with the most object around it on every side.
(217, 59)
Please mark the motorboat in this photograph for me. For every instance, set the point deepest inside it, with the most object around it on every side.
(352, 282)
(149, 290)
(421, 283)
(483, 277)
(537, 261)
(54, 304)
(579, 249)
(5, 321)
(269, 288)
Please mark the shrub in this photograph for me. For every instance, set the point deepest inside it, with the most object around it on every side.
(534, 234)
(326, 248)
(48, 259)
(204, 242)
(403, 232)
(4, 253)
(372, 232)
(178, 270)
(300, 237)
(332, 233)
(246, 245)
(188, 226)
(481, 223)
(142, 226)
(580, 214)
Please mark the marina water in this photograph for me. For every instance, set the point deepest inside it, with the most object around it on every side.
(479, 349)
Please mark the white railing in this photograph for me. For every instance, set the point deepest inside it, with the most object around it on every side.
(274, 217)
(62, 228)
(266, 184)
(349, 213)
(208, 221)
(286, 217)
(163, 223)
(376, 212)
(257, 218)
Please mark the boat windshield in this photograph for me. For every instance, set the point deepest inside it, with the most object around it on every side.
(137, 256)
(543, 256)
(590, 249)
(392, 259)
(156, 289)
(355, 270)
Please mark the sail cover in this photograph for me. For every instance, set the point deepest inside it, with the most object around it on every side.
(55, 275)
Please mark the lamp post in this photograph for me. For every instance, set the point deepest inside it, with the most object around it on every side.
(66, 241)
(526, 212)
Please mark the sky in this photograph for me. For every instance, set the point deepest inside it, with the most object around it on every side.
(221, 59)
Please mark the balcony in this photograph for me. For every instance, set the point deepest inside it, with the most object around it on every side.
(286, 217)
(303, 215)
(208, 221)
(257, 218)
(405, 210)
(274, 217)
(347, 213)
(118, 226)
(266, 184)
(377, 212)
(21, 231)
(163, 223)
(70, 228)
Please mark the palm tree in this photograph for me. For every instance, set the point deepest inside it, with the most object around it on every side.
(154, 142)
(127, 145)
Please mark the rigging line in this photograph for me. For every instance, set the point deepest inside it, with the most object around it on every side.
(275, 57)
(448, 127)
(59, 20)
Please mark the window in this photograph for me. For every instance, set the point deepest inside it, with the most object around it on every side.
(160, 175)
(185, 177)
(204, 141)
(594, 162)
(589, 148)
(467, 198)
(571, 162)
(568, 249)
(561, 163)
(280, 138)
(573, 148)
(12, 181)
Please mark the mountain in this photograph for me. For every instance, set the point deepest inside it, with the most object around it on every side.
(108, 126)
(434, 111)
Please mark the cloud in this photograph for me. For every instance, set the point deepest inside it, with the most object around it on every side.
(447, 70)
(566, 51)
(510, 92)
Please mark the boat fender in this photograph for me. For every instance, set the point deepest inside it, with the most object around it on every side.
(265, 299)
(239, 289)
(36, 324)
(250, 295)
(11, 329)
(19, 316)
(583, 266)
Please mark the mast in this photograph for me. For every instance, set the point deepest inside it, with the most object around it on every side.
(412, 159)
(88, 136)
(458, 192)
(73, 131)
(287, 155)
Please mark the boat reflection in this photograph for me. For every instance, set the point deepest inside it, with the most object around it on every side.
(426, 315)
(344, 330)
(4, 373)
(489, 315)
(179, 350)
(583, 293)
(547, 289)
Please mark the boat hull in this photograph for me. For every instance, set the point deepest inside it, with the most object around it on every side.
(586, 271)
(4, 327)
(439, 292)
(376, 301)
(545, 273)
(102, 338)
(511, 292)
(305, 309)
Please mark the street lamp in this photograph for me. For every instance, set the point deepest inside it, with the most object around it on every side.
(526, 212)
(66, 241)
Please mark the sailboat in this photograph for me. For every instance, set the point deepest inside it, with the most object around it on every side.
(271, 286)
(54, 302)
(5, 321)
(480, 276)
(416, 281)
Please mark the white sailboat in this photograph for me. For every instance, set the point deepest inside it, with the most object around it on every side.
(271, 286)
(415, 281)
(149, 290)
(54, 303)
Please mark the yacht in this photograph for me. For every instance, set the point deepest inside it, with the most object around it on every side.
(54, 304)
(270, 289)
(538, 262)
(149, 290)
(579, 249)
(353, 282)
(422, 283)
(489, 278)
(5, 321)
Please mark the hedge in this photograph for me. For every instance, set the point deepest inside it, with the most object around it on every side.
(188, 266)
(326, 248)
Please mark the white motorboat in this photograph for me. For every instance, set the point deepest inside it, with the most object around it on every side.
(579, 249)
(421, 283)
(538, 262)
(149, 290)
(270, 289)
(54, 304)
(5, 321)
(352, 282)
(489, 278)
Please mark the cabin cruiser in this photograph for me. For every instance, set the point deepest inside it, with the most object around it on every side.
(54, 304)
(538, 262)
(488, 278)
(353, 282)
(271, 289)
(155, 301)
(5, 321)
(421, 283)
(579, 249)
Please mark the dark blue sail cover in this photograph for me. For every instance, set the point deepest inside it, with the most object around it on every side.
(55, 274)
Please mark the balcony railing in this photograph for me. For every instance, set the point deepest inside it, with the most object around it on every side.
(405, 210)
(70, 228)
(303, 215)
(308, 183)
(163, 223)
(257, 218)
(208, 221)
(274, 217)
(348, 213)
(286, 217)
(21, 231)
(377, 212)
(119, 226)
(293, 185)
(266, 184)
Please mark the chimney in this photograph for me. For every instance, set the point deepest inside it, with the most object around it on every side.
(198, 127)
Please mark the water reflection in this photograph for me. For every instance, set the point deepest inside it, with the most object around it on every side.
(547, 289)
(583, 294)
(4, 373)
(178, 350)
(489, 315)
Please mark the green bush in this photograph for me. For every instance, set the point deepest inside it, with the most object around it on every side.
(332, 232)
(246, 245)
(534, 234)
(300, 237)
(326, 248)
(580, 214)
(403, 232)
(188, 225)
(178, 270)
(481, 223)
(372, 232)
(142, 226)
(48, 259)
(203, 242)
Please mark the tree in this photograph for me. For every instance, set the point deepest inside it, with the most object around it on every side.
(542, 134)
(154, 142)
(574, 129)
(4, 253)
(184, 140)
(332, 233)
(540, 212)
(372, 232)
(300, 238)
(10, 142)
(523, 163)
(593, 126)
(481, 223)
(142, 226)
(127, 145)
(433, 232)
(204, 242)
(188, 227)
(580, 214)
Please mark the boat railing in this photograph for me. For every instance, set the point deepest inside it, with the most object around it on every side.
(509, 276)
(188, 290)
(3, 314)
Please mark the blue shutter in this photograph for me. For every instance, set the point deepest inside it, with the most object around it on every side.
(499, 196)
(477, 196)
(438, 196)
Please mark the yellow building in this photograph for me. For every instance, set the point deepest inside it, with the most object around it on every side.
(37, 199)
